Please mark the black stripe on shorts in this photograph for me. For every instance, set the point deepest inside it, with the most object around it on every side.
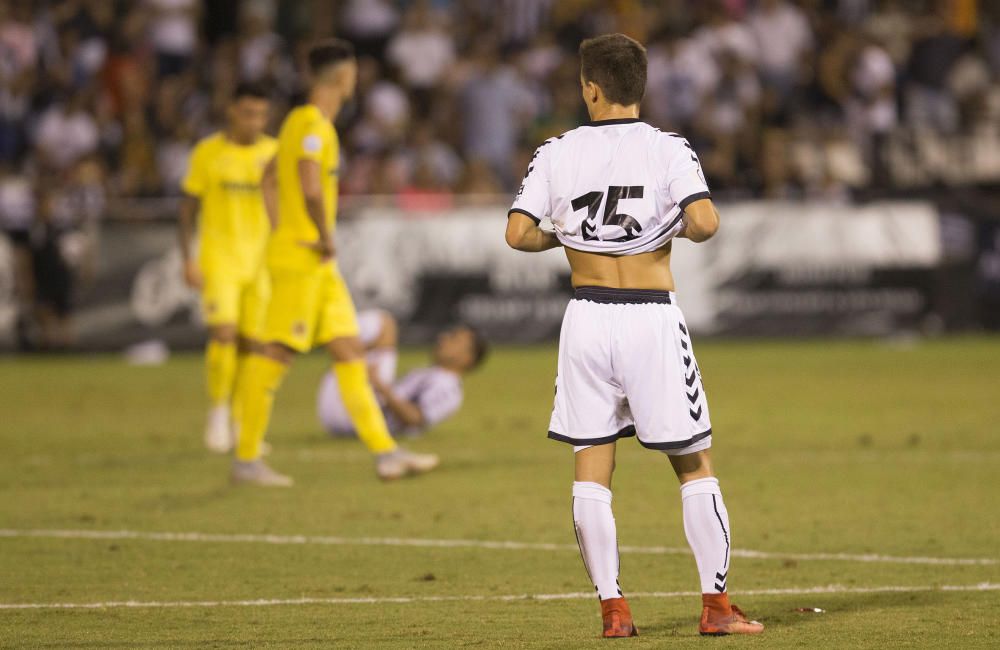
(627, 432)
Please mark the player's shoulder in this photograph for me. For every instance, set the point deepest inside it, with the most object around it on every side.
(670, 139)
(590, 130)
(307, 116)
(267, 144)
(443, 378)
(550, 145)
(210, 142)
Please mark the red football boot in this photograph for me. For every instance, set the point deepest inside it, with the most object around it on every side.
(617, 619)
(719, 618)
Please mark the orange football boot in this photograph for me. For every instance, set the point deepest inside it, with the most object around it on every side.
(617, 619)
(719, 618)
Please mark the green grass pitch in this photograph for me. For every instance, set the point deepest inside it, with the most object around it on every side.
(821, 447)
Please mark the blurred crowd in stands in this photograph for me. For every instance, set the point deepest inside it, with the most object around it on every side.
(104, 99)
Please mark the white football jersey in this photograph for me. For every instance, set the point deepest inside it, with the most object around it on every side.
(436, 391)
(613, 186)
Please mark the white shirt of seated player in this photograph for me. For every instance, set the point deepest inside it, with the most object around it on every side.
(614, 186)
(436, 392)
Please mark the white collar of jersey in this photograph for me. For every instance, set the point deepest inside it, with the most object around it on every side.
(621, 120)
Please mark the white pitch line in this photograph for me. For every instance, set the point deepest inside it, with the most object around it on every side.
(576, 595)
(470, 543)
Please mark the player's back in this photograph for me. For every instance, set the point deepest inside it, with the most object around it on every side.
(226, 177)
(305, 135)
(617, 187)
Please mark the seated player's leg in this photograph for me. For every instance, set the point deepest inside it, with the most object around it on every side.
(338, 325)
(378, 332)
(220, 306)
(668, 402)
(288, 329)
(589, 412)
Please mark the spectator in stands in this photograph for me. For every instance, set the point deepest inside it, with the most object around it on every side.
(933, 55)
(784, 39)
(51, 245)
(423, 51)
(174, 34)
(369, 24)
(17, 216)
(67, 131)
(258, 43)
(495, 104)
(15, 104)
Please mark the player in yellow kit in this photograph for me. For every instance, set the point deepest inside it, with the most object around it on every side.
(310, 303)
(222, 190)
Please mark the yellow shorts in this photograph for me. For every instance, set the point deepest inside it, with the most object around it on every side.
(308, 308)
(231, 301)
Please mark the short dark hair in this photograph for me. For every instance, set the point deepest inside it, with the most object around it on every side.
(252, 90)
(617, 64)
(329, 52)
(480, 347)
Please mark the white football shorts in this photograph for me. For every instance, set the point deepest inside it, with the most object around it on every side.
(627, 368)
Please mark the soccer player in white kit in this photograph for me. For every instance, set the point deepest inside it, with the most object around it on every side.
(617, 192)
(421, 399)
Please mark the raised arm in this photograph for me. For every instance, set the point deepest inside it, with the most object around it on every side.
(524, 234)
(701, 221)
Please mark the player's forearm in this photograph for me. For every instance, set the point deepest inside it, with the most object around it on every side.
(532, 240)
(186, 221)
(269, 192)
(317, 214)
(701, 221)
(407, 412)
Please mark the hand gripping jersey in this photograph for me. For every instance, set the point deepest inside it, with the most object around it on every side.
(614, 186)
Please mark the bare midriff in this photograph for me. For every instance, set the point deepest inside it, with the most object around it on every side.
(643, 271)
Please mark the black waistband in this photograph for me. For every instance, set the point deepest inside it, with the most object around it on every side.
(610, 295)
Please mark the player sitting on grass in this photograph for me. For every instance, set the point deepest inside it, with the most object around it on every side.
(223, 188)
(310, 303)
(424, 397)
(617, 191)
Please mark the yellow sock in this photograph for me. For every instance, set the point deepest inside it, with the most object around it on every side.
(260, 378)
(359, 400)
(220, 371)
(234, 403)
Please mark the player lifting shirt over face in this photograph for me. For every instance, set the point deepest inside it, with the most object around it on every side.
(618, 191)
(310, 304)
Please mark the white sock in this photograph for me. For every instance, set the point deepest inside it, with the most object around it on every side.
(597, 536)
(706, 524)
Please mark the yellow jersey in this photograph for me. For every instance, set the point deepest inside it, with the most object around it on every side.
(305, 135)
(233, 225)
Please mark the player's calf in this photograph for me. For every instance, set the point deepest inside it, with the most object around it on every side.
(706, 525)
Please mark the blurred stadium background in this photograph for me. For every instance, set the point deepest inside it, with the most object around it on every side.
(854, 146)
